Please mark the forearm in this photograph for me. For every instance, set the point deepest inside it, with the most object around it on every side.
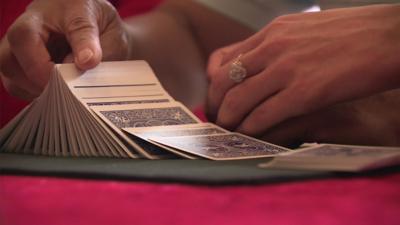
(172, 52)
(176, 40)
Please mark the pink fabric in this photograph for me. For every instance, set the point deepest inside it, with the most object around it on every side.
(10, 10)
(42, 200)
(9, 106)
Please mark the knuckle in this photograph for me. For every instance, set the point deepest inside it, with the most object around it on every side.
(211, 74)
(215, 54)
(78, 23)
(18, 32)
(109, 10)
(287, 61)
(281, 72)
(278, 23)
(284, 67)
(217, 83)
(276, 44)
(285, 18)
(212, 68)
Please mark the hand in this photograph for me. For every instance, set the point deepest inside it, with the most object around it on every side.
(54, 31)
(305, 62)
(368, 121)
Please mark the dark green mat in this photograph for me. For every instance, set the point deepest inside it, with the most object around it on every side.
(172, 170)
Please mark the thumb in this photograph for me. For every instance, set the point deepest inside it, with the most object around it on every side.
(82, 33)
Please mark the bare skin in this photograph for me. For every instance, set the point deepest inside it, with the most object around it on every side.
(303, 63)
(176, 39)
(369, 121)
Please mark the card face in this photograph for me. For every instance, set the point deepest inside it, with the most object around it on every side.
(347, 151)
(83, 113)
(118, 80)
(145, 133)
(331, 157)
(223, 147)
(146, 115)
(109, 73)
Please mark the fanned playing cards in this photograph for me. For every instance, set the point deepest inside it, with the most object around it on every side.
(120, 109)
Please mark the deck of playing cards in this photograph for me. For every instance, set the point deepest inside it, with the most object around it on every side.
(331, 157)
(119, 109)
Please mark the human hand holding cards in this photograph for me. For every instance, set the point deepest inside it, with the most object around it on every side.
(100, 112)
(120, 109)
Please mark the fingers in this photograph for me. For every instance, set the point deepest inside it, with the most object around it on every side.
(15, 89)
(14, 78)
(282, 106)
(243, 98)
(27, 43)
(218, 73)
(290, 133)
(82, 33)
(242, 47)
(213, 99)
(27, 52)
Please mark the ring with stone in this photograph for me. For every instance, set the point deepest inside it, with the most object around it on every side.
(237, 72)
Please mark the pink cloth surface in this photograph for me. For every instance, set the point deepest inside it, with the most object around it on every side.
(43, 200)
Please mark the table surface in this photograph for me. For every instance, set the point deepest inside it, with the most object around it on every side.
(51, 200)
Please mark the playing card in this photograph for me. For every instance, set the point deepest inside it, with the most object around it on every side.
(146, 133)
(337, 158)
(222, 146)
(146, 115)
(118, 80)
(82, 113)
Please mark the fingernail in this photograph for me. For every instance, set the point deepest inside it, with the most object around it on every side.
(85, 55)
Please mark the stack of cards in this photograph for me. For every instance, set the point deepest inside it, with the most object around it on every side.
(119, 109)
(332, 157)
(206, 140)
